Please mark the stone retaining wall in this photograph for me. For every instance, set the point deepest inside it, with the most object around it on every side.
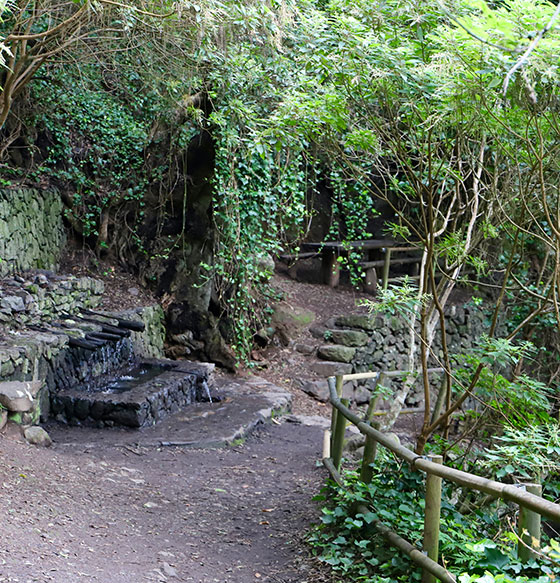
(34, 340)
(31, 229)
(362, 343)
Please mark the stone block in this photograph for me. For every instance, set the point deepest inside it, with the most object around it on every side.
(337, 353)
(329, 369)
(349, 337)
(364, 322)
(17, 396)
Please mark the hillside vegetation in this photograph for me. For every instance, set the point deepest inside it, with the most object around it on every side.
(191, 141)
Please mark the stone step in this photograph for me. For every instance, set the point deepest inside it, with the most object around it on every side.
(336, 352)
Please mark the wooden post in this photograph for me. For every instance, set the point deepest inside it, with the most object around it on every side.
(386, 267)
(370, 448)
(529, 528)
(370, 280)
(334, 415)
(338, 438)
(327, 444)
(432, 518)
(330, 267)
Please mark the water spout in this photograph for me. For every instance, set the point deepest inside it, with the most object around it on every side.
(206, 390)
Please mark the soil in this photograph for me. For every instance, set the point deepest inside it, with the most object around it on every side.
(118, 514)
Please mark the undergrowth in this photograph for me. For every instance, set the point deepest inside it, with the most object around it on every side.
(479, 546)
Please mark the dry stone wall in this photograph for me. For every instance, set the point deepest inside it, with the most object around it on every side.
(363, 343)
(31, 229)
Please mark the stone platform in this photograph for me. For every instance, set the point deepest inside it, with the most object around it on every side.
(244, 405)
(124, 401)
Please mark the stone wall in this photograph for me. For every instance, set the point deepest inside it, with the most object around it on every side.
(31, 230)
(36, 339)
(362, 343)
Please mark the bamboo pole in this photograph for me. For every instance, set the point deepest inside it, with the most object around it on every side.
(326, 444)
(370, 448)
(432, 515)
(390, 374)
(529, 528)
(386, 267)
(339, 382)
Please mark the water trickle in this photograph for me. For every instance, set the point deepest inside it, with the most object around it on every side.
(206, 390)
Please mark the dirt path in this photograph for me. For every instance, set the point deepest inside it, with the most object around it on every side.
(118, 515)
(88, 510)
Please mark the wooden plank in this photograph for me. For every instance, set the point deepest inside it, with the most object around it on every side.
(347, 245)
(298, 256)
(394, 261)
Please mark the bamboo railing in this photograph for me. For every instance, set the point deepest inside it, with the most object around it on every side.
(532, 506)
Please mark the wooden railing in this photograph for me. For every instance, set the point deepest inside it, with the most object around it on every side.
(532, 506)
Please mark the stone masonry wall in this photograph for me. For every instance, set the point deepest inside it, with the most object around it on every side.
(362, 343)
(31, 230)
(34, 338)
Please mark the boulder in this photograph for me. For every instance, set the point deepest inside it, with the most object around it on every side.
(337, 353)
(349, 337)
(319, 390)
(289, 321)
(37, 436)
(17, 396)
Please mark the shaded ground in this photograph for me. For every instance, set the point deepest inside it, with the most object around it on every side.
(123, 514)
(111, 507)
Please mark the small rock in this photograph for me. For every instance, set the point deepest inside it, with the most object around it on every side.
(133, 291)
(37, 436)
(169, 570)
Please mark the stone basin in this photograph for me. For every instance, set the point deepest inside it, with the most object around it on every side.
(133, 398)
